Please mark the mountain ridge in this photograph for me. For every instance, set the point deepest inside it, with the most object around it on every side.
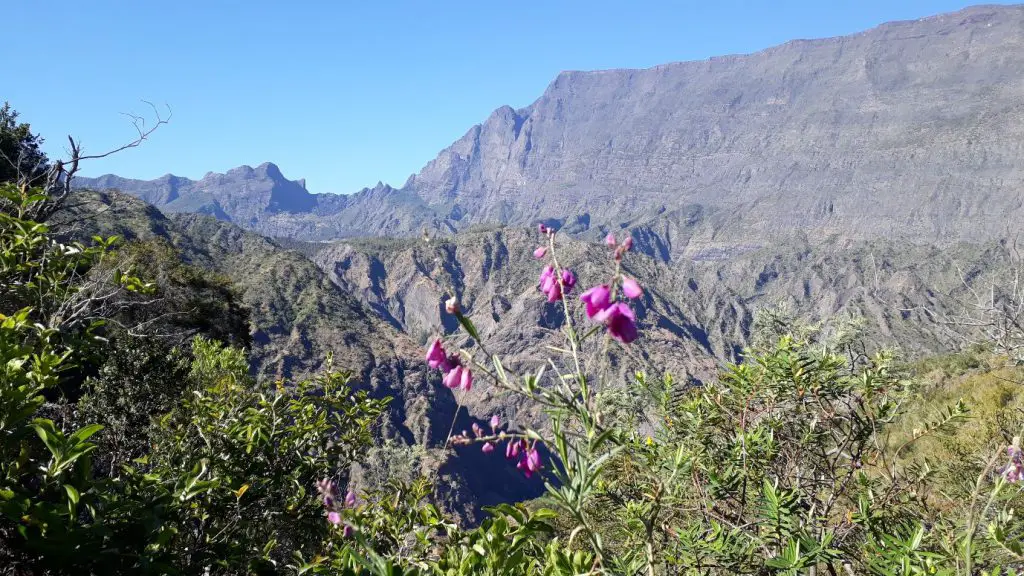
(911, 129)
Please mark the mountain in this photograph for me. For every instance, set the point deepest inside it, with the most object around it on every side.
(263, 200)
(910, 130)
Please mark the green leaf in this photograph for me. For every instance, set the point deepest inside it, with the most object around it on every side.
(73, 494)
(83, 434)
(467, 324)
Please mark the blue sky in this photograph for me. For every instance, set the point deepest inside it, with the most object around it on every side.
(349, 93)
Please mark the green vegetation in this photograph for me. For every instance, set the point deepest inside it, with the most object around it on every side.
(20, 152)
(133, 438)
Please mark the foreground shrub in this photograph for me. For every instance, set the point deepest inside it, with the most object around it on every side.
(201, 469)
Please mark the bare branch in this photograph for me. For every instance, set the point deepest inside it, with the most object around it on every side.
(59, 179)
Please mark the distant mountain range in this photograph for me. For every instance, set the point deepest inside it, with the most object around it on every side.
(912, 130)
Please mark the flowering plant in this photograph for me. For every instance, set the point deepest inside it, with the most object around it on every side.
(786, 464)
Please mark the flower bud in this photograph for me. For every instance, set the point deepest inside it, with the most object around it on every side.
(540, 252)
(452, 306)
(630, 288)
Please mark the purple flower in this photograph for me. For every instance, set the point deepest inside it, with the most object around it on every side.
(453, 378)
(512, 449)
(596, 299)
(620, 320)
(350, 499)
(436, 357)
(542, 228)
(549, 284)
(548, 273)
(477, 430)
(1014, 471)
(630, 288)
(568, 279)
(529, 463)
(487, 448)
(466, 380)
(346, 532)
(495, 422)
(609, 240)
(329, 490)
(533, 460)
(334, 518)
(540, 252)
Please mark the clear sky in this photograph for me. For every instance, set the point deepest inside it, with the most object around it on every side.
(347, 93)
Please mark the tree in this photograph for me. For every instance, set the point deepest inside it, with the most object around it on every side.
(21, 155)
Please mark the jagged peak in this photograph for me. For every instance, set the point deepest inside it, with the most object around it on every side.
(270, 169)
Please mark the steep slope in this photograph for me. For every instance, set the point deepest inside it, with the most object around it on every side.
(298, 317)
(693, 315)
(494, 276)
(911, 130)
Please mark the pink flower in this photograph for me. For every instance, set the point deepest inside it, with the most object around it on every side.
(477, 430)
(533, 460)
(596, 299)
(546, 273)
(549, 283)
(512, 449)
(627, 244)
(436, 357)
(630, 288)
(466, 380)
(329, 490)
(453, 378)
(350, 499)
(487, 448)
(542, 228)
(334, 518)
(620, 320)
(568, 279)
(529, 463)
(540, 252)
(495, 422)
(609, 240)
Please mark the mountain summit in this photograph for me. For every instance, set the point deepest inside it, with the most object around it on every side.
(911, 129)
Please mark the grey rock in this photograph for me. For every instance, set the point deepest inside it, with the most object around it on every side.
(912, 130)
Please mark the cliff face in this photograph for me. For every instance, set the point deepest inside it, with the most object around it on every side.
(912, 130)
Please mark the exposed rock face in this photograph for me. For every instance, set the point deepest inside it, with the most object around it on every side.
(912, 129)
